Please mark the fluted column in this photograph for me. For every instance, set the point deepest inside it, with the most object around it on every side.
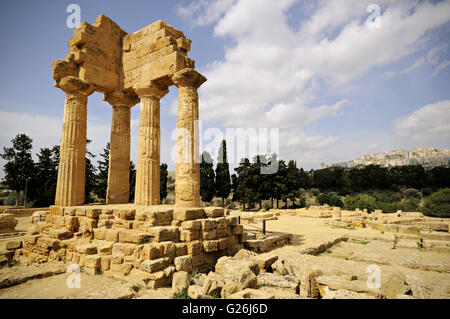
(72, 161)
(118, 190)
(187, 175)
(149, 145)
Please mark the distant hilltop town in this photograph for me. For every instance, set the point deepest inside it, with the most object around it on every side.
(427, 157)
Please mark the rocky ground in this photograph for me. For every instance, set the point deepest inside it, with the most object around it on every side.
(322, 261)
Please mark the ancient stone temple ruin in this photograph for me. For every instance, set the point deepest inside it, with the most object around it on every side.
(145, 239)
(128, 68)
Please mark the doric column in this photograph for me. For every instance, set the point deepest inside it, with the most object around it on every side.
(149, 144)
(72, 160)
(118, 190)
(187, 175)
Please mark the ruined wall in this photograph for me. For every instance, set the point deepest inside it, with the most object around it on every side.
(149, 243)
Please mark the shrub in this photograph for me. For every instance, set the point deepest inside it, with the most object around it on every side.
(335, 201)
(11, 199)
(331, 199)
(344, 191)
(183, 294)
(361, 201)
(427, 191)
(387, 197)
(410, 205)
(322, 199)
(388, 207)
(314, 191)
(300, 202)
(413, 193)
(438, 204)
(168, 201)
(267, 206)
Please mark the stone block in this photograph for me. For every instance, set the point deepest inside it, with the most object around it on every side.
(188, 235)
(165, 233)
(93, 261)
(209, 235)
(180, 281)
(183, 263)
(237, 230)
(111, 234)
(132, 236)
(180, 249)
(184, 214)
(105, 247)
(214, 212)
(194, 248)
(210, 245)
(87, 249)
(191, 225)
(155, 265)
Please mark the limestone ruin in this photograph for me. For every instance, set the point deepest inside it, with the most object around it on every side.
(128, 68)
(145, 240)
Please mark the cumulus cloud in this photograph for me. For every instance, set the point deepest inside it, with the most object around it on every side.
(204, 12)
(271, 73)
(427, 124)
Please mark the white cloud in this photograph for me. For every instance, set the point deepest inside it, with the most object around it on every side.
(429, 124)
(418, 63)
(271, 73)
(46, 131)
(441, 66)
(203, 12)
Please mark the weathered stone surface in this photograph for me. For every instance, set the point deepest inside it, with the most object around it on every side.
(213, 212)
(165, 233)
(183, 263)
(245, 254)
(252, 294)
(195, 292)
(184, 214)
(228, 267)
(434, 235)
(7, 223)
(152, 266)
(92, 261)
(213, 284)
(191, 225)
(288, 283)
(87, 249)
(187, 174)
(266, 260)
(210, 245)
(132, 236)
(13, 244)
(180, 281)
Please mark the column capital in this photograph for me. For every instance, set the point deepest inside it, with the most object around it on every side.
(153, 89)
(120, 98)
(74, 85)
(188, 77)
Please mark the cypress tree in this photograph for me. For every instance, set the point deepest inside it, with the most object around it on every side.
(207, 178)
(223, 182)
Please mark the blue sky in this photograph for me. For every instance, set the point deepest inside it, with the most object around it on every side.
(335, 86)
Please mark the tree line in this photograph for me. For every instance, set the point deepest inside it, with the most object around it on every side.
(250, 187)
(35, 182)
